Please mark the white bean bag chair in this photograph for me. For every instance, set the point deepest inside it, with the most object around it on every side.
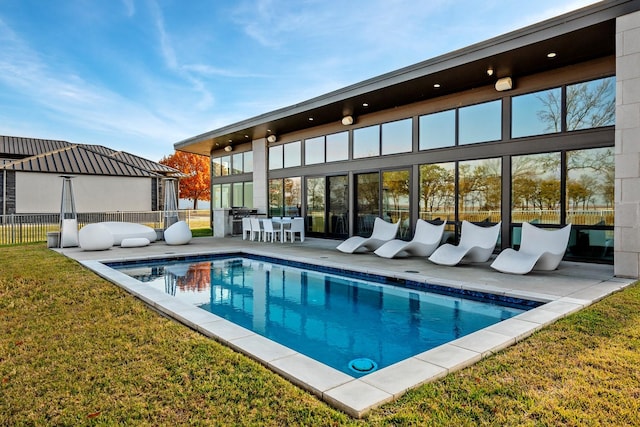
(126, 230)
(178, 234)
(95, 237)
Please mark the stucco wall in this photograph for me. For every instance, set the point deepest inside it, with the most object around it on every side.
(260, 185)
(42, 192)
(627, 181)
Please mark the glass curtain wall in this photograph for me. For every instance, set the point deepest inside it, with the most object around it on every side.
(367, 202)
(395, 200)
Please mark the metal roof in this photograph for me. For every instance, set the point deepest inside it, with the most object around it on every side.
(43, 155)
(578, 36)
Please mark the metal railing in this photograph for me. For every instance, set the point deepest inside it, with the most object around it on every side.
(31, 228)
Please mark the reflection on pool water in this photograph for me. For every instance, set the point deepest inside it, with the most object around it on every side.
(350, 324)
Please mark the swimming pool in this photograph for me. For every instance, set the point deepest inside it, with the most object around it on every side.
(353, 322)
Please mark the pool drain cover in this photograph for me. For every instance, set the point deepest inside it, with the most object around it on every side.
(363, 365)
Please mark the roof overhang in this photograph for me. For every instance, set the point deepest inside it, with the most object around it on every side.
(578, 36)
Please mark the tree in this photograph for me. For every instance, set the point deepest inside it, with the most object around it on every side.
(196, 185)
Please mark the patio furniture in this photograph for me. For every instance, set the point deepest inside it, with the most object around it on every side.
(246, 228)
(95, 237)
(178, 234)
(122, 230)
(270, 233)
(382, 232)
(256, 229)
(134, 242)
(297, 226)
(426, 239)
(540, 249)
(476, 245)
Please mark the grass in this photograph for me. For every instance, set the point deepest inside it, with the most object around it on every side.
(77, 350)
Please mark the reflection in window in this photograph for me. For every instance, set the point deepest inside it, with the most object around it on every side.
(396, 137)
(536, 113)
(479, 190)
(480, 123)
(216, 167)
(438, 130)
(590, 186)
(285, 197)
(395, 199)
(337, 147)
(225, 196)
(248, 195)
(292, 154)
(238, 193)
(248, 161)
(591, 104)
(237, 162)
(315, 204)
(275, 157)
(225, 163)
(276, 197)
(367, 202)
(366, 142)
(314, 150)
(535, 188)
(216, 196)
(437, 191)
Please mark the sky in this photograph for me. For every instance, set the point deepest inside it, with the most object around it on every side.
(141, 75)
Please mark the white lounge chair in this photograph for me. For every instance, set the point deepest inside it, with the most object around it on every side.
(382, 232)
(476, 245)
(297, 226)
(540, 249)
(425, 240)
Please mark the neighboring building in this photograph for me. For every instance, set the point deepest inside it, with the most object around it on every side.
(105, 180)
(541, 124)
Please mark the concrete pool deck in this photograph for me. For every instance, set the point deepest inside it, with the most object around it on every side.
(564, 291)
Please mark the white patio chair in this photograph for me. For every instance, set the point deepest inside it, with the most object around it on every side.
(382, 232)
(540, 249)
(476, 245)
(297, 226)
(246, 228)
(256, 229)
(425, 240)
(269, 233)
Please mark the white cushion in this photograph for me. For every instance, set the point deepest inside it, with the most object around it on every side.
(134, 242)
(95, 237)
(178, 234)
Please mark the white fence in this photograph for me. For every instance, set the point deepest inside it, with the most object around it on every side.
(30, 228)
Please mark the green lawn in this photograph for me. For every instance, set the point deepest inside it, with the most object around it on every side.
(77, 350)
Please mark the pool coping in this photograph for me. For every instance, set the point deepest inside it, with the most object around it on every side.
(358, 396)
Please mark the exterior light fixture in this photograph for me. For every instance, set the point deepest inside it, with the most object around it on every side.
(228, 148)
(551, 55)
(347, 120)
(489, 71)
(271, 139)
(436, 85)
(503, 84)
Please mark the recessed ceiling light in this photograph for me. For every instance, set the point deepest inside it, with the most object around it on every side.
(310, 119)
(551, 55)
(230, 140)
(364, 104)
(437, 85)
(489, 71)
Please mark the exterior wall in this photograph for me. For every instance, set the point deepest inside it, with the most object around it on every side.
(260, 182)
(42, 192)
(627, 180)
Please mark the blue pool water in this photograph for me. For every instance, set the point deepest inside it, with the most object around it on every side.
(350, 324)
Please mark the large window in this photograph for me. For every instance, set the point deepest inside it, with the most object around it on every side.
(285, 198)
(329, 148)
(591, 104)
(292, 154)
(590, 186)
(536, 113)
(438, 130)
(437, 191)
(367, 202)
(395, 199)
(237, 163)
(228, 195)
(396, 137)
(535, 188)
(276, 158)
(480, 123)
(366, 142)
(480, 190)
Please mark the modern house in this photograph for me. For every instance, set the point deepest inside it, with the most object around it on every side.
(541, 125)
(104, 180)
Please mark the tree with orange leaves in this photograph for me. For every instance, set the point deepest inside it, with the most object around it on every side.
(196, 185)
